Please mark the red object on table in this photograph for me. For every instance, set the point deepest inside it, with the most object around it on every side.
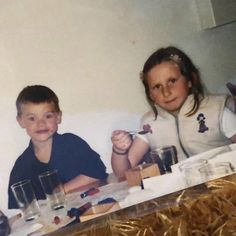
(89, 192)
(56, 220)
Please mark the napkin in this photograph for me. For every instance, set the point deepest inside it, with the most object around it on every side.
(165, 184)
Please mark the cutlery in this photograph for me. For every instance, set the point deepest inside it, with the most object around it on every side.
(139, 132)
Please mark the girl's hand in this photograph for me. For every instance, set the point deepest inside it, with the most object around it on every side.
(121, 140)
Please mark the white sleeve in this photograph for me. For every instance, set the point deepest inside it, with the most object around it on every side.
(228, 123)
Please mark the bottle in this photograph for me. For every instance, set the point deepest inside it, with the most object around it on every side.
(4, 225)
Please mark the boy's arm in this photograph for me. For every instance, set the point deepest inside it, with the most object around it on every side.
(77, 182)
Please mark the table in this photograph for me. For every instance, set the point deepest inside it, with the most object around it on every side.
(205, 209)
(164, 211)
(111, 188)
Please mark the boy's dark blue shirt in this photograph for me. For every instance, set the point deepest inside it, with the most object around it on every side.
(71, 156)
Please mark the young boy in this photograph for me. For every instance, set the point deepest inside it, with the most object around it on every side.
(39, 113)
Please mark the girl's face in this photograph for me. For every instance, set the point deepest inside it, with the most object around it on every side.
(168, 88)
(40, 120)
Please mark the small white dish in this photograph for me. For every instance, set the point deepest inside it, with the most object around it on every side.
(165, 184)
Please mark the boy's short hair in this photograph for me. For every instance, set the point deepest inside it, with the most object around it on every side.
(36, 94)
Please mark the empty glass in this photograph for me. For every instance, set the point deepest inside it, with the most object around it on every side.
(216, 170)
(191, 173)
(26, 200)
(164, 157)
(53, 189)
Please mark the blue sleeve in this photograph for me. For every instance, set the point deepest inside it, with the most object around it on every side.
(90, 162)
(74, 157)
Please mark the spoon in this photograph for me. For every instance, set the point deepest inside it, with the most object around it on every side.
(139, 132)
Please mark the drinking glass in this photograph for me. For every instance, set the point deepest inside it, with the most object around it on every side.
(53, 189)
(216, 170)
(164, 157)
(191, 173)
(26, 200)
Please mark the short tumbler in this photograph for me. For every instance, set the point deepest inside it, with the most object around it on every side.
(191, 173)
(216, 170)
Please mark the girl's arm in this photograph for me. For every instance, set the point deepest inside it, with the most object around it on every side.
(122, 161)
(138, 149)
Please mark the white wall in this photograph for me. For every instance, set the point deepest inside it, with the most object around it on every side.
(91, 52)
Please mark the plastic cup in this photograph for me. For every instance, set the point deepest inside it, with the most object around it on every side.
(26, 200)
(53, 189)
(191, 173)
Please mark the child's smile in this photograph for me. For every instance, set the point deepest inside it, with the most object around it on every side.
(40, 120)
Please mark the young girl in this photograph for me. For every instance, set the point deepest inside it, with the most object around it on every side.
(182, 113)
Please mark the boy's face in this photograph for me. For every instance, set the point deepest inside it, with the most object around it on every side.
(40, 120)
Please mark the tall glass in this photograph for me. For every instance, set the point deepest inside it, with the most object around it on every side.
(26, 200)
(53, 189)
(165, 157)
